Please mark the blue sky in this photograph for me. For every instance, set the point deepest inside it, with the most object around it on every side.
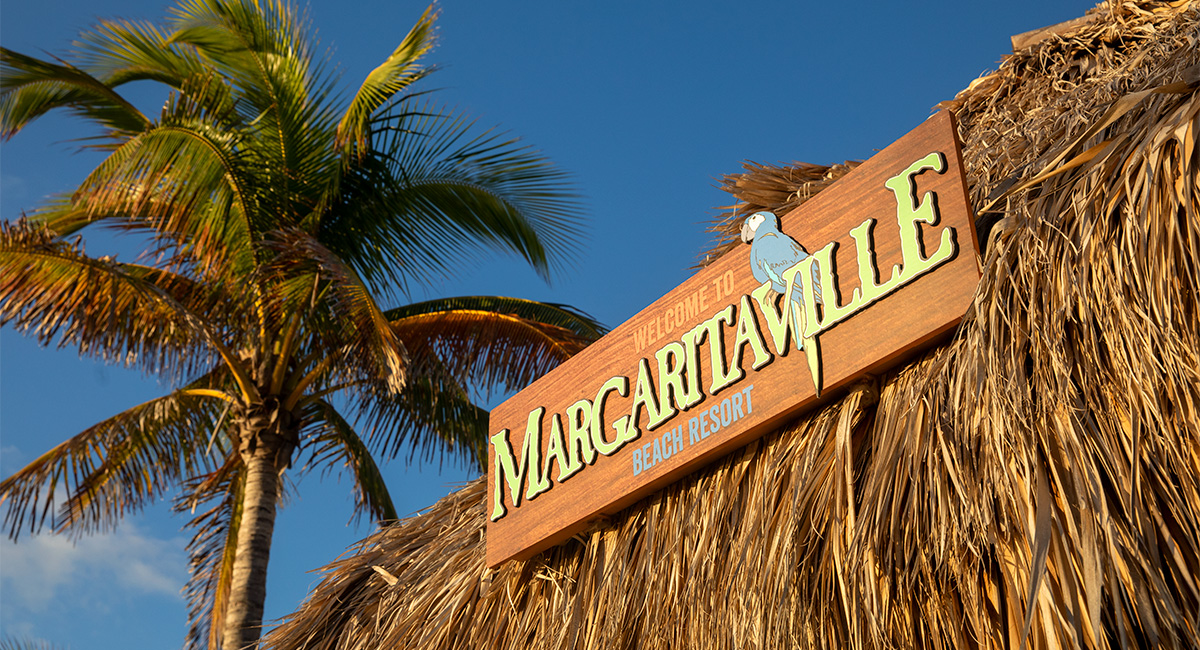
(645, 104)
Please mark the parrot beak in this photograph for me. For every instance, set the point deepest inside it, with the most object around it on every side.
(747, 232)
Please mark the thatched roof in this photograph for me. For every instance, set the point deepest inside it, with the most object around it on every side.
(1039, 472)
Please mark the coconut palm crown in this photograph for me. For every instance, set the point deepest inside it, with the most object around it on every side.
(280, 216)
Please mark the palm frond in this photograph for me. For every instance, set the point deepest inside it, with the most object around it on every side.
(116, 466)
(184, 181)
(492, 342)
(212, 548)
(30, 87)
(433, 418)
(20, 643)
(120, 312)
(545, 313)
(434, 193)
(62, 216)
(121, 51)
(336, 444)
(263, 47)
(394, 75)
(265, 51)
(348, 329)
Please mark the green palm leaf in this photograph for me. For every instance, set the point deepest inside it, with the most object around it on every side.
(394, 75)
(181, 181)
(133, 314)
(492, 342)
(434, 418)
(350, 331)
(545, 313)
(30, 87)
(267, 58)
(434, 195)
(121, 51)
(337, 444)
(116, 466)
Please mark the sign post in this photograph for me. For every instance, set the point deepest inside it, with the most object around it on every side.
(879, 265)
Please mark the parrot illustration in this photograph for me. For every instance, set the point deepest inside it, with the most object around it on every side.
(771, 253)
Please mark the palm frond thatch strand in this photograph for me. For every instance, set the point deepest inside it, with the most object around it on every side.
(1035, 482)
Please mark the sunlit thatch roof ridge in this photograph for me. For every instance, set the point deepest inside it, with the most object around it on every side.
(1038, 476)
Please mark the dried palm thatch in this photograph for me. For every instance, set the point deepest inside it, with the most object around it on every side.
(1034, 481)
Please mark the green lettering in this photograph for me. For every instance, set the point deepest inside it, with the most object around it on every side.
(671, 364)
(910, 212)
(619, 385)
(643, 396)
(512, 473)
(692, 341)
(868, 274)
(579, 440)
(558, 450)
(722, 377)
(748, 334)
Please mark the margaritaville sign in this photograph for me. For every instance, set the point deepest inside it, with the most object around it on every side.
(876, 266)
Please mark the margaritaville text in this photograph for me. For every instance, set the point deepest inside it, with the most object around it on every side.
(866, 272)
(557, 446)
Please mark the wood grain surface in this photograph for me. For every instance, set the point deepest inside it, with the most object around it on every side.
(871, 340)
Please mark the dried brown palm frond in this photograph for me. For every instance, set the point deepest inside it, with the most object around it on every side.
(1035, 482)
(777, 188)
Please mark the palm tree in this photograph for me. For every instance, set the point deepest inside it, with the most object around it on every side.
(279, 220)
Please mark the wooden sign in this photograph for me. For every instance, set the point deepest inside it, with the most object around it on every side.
(865, 273)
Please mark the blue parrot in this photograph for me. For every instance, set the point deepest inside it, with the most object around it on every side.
(772, 253)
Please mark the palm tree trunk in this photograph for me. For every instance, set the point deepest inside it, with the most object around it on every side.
(248, 588)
